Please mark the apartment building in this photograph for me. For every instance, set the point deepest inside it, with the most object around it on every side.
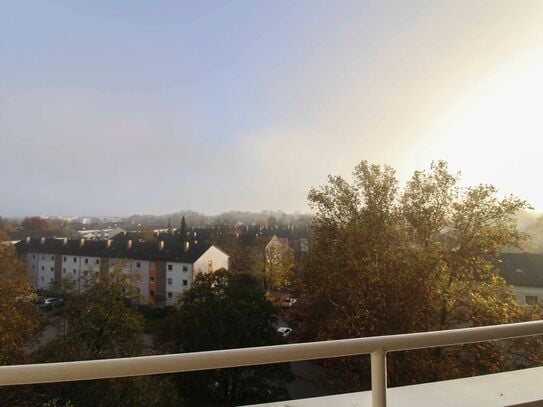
(162, 270)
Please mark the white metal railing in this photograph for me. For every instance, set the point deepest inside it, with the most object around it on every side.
(376, 346)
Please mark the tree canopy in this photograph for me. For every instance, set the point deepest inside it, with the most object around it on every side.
(387, 261)
(19, 318)
(223, 311)
(102, 323)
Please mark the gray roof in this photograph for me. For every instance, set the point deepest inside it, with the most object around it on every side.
(522, 269)
(173, 249)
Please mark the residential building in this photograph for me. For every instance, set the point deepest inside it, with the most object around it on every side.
(162, 269)
(524, 271)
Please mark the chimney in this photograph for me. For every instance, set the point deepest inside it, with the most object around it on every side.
(28, 239)
(187, 246)
(128, 244)
(108, 243)
(161, 245)
(81, 242)
(64, 241)
(42, 240)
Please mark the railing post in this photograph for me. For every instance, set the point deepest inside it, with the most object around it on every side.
(379, 378)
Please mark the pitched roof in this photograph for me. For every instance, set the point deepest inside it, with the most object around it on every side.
(172, 251)
(522, 269)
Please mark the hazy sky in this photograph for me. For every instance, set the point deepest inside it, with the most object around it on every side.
(114, 108)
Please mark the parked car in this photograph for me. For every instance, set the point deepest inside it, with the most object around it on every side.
(50, 303)
(289, 302)
(284, 331)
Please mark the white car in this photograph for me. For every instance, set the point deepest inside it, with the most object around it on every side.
(284, 331)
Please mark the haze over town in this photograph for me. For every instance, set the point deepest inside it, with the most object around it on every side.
(147, 108)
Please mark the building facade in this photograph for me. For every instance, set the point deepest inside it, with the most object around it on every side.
(162, 270)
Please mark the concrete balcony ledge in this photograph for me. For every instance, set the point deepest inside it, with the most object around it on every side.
(516, 388)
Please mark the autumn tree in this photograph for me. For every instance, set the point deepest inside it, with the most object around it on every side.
(35, 223)
(387, 261)
(224, 311)
(19, 318)
(278, 264)
(102, 322)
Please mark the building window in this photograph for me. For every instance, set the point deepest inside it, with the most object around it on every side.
(51, 280)
(43, 257)
(97, 261)
(52, 269)
(170, 267)
(530, 299)
(210, 266)
(151, 293)
(74, 272)
(169, 281)
(42, 268)
(64, 259)
(75, 259)
(185, 283)
(138, 264)
(170, 294)
(185, 268)
(152, 279)
(86, 261)
(53, 258)
(33, 256)
(64, 271)
(41, 278)
(32, 267)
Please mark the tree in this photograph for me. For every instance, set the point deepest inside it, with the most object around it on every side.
(102, 323)
(385, 261)
(225, 311)
(19, 318)
(279, 264)
(183, 229)
(35, 223)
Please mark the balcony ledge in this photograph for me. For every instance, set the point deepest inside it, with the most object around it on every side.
(520, 387)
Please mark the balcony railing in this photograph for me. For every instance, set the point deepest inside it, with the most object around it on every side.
(377, 347)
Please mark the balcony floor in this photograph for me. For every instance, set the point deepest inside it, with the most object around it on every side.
(519, 387)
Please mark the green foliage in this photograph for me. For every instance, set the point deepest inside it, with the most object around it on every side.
(385, 261)
(224, 311)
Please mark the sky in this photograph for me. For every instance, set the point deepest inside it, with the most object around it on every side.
(116, 108)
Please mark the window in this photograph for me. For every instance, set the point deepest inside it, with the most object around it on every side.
(53, 258)
(64, 259)
(43, 257)
(75, 259)
(32, 267)
(151, 293)
(52, 269)
(152, 279)
(170, 294)
(210, 266)
(185, 268)
(74, 272)
(169, 281)
(97, 261)
(51, 280)
(41, 278)
(64, 271)
(170, 267)
(138, 264)
(530, 299)
(42, 268)
(86, 261)
(33, 256)
(185, 283)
